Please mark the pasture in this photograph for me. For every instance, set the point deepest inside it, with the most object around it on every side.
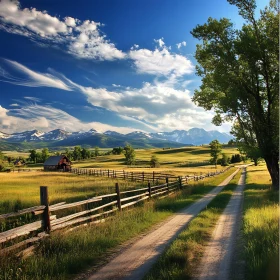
(21, 189)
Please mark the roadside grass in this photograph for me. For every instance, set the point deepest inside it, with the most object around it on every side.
(261, 226)
(66, 254)
(180, 260)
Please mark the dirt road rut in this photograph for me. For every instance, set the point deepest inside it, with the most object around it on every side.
(217, 260)
(135, 262)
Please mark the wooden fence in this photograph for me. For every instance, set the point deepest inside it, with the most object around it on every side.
(153, 177)
(23, 240)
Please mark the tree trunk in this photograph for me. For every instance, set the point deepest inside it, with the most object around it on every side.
(273, 169)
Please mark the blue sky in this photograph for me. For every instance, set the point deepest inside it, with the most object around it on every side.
(118, 65)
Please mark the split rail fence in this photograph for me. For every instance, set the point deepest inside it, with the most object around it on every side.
(24, 239)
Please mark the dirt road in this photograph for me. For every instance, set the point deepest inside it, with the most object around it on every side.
(134, 262)
(217, 261)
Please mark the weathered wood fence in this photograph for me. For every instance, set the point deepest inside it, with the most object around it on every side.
(23, 240)
(153, 177)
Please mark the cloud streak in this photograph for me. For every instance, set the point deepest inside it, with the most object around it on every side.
(157, 103)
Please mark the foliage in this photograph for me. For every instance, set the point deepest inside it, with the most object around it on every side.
(240, 77)
(45, 154)
(216, 149)
(117, 151)
(236, 158)
(224, 161)
(154, 162)
(129, 154)
(96, 151)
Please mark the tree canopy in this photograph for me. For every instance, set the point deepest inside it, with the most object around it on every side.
(216, 149)
(240, 77)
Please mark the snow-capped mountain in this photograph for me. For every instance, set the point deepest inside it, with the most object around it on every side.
(194, 136)
(59, 137)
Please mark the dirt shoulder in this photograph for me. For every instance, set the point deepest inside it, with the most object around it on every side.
(134, 262)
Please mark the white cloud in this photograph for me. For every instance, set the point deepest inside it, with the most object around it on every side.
(161, 61)
(179, 45)
(82, 39)
(158, 104)
(47, 118)
(160, 42)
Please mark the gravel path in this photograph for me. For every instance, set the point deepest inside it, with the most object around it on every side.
(134, 262)
(217, 261)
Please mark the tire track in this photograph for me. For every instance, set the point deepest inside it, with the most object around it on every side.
(135, 262)
(217, 261)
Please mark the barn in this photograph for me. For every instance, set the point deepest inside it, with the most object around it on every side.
(57, 163)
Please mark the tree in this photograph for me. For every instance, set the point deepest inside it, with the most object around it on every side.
(33, 155)
(129, 154)
(85, 153)
(216, 149)
(240, 77)
(77, 153)
(45, 154)
(154, 161)
(96, 151)
(117, 151)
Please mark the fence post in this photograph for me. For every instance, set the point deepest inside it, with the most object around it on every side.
(180, 182)
(143, 176)
(153, 177)
(149, 189)
(132, 176)
(123, 174)
(44, 199)
(118, 196)
(166, 180)
(108, 173)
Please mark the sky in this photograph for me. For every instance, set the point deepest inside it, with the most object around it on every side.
(121, 65)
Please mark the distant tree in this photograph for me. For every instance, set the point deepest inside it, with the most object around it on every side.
(96, 151)
(231, 143)
(117, 151)
(225, 160)
(216, 149)
(33, 155)
(129, 154)
(68, 154)
(85, 153)
(77, 153)
(236, 158)
(45, 154)
(154, 162)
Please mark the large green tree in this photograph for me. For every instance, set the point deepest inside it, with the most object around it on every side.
(240, 76)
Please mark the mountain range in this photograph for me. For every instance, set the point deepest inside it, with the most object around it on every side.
(139, 139)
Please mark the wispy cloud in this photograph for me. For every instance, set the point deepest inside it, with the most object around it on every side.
(158, 104)
(31, 79)
(182, 44)
(82, 39)
(47, 118)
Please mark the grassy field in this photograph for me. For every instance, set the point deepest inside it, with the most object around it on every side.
(175, 159)
(64, 255)
(182, 257)
(21, 190)
(261, 226)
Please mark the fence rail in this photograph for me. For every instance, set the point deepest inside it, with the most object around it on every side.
(94, 210)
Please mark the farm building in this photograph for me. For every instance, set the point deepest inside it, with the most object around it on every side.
(57, 163)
